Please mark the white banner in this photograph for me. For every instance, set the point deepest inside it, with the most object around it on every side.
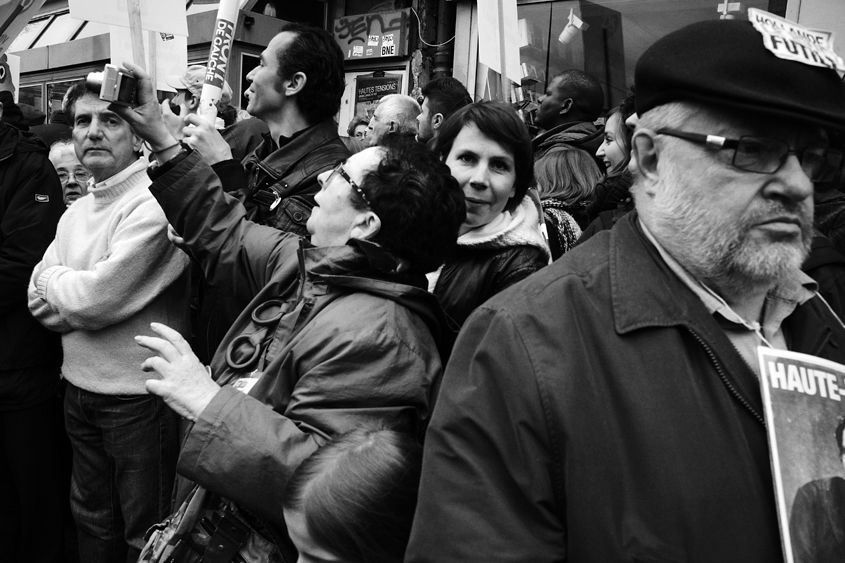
(171, 53)
(490, 28)
(165, 16)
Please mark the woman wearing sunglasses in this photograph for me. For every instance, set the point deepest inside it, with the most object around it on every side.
(337, 331)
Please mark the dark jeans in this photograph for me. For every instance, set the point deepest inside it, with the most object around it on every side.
(124, 464)
(33, 484)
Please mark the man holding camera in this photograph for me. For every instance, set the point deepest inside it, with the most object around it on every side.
(110, 272)
(296, 91)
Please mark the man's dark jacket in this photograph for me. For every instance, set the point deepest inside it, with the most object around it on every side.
(30, 207)
(579, 135)
(288, 173)
(597, 412)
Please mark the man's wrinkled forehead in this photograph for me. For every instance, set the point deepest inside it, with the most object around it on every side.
(89, 105)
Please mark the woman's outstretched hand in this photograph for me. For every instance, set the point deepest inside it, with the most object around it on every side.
(184, 384)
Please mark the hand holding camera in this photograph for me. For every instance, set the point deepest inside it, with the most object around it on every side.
(144, 115)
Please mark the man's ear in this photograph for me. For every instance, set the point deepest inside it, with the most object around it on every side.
(193, 103)
(137, 143)
(365, 226)
(567, 106)
(644, 156)
(295, 84)
(436, 120)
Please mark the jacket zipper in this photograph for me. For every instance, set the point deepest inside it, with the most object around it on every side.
(725, 379)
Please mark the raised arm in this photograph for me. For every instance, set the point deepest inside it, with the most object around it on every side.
(234, 252)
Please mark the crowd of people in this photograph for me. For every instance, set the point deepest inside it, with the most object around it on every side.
(435, 339)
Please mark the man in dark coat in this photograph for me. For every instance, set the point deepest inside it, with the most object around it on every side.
(32, 490)
(572, 102)
(608, 408)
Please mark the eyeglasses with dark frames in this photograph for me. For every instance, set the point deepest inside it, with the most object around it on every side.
(342, 173)
(765, 155)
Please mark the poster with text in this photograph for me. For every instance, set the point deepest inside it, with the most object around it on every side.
(804, 397)
(370, 89)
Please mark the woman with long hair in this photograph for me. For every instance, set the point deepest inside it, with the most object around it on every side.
(565, 179)
(613, 192)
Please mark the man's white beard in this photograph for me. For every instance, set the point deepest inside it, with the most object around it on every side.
(717, 249)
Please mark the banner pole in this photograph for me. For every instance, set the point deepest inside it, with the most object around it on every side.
(218, 59)
(135, 33)
(151, 35)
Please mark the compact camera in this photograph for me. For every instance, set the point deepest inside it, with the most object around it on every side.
(113, 85)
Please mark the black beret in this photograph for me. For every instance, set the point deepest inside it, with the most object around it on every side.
(724, 63)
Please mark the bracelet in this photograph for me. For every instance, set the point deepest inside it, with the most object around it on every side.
(176, 144)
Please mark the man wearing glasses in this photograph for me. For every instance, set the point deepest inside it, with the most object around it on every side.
(72, 175)
(608, 408)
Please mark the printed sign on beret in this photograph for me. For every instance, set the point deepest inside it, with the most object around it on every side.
(793, 42)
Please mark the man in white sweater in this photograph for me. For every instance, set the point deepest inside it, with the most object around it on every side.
(110, 272)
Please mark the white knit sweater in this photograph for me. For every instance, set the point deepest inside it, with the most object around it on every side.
(107, 275)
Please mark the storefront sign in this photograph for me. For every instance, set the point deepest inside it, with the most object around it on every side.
(373, 36)
(370, 89)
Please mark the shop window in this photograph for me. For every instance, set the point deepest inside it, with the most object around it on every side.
(56, 92)
(311, 13)
(355, 7)
(619, 31)
(32, 95)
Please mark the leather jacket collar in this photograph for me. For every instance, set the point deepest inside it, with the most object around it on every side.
(277, 161)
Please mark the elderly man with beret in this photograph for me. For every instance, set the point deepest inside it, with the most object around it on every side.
(608, 407)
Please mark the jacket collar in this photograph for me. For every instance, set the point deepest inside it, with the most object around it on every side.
(641, 281)
(278, 161)
(566, 131)
(367, 267)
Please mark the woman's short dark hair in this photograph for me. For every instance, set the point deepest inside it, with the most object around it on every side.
(358, 494)
(316, 54)
(354, 123)
(420, 205)
(500, 123)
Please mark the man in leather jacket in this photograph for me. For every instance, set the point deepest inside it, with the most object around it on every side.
(608, 408)
(296, 90)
